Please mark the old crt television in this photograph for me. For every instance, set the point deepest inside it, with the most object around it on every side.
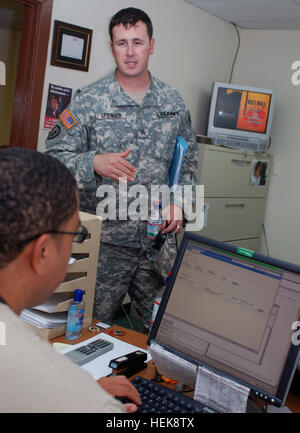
(240, 116)
(233, 312)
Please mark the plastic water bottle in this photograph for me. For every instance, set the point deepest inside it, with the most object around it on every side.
(157, 301)
(154, 222)
(75, 316)
(156, 305)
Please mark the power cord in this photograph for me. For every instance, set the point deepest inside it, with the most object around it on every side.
(237, 50)
(127, 317)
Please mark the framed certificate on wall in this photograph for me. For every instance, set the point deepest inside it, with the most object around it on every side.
(71, 46)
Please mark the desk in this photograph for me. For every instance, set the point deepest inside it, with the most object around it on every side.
(140, 340)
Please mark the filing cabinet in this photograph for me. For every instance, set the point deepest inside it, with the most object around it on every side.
(235, 208)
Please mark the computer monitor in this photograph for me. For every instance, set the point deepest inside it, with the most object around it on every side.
(240, 116)
(231, 311)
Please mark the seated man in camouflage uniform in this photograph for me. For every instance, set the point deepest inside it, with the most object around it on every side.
(125, 126)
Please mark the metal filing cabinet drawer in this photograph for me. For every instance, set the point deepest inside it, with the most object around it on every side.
(236, 208)
(231, 219)
(249, 244)
(226, 173)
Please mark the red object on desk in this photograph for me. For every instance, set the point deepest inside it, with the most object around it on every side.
(114, 332)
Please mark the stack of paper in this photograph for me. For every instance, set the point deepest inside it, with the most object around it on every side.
(55, 299)
(43, 320)
(40, 316)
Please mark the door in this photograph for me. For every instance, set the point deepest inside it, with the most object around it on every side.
(27, 28)
(11, 16)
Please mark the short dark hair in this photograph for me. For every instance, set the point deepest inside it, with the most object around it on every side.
(37, 194)
(129, 17)
(258, 165)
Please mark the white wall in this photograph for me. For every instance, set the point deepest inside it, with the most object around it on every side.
(192, 49)
(265, 60)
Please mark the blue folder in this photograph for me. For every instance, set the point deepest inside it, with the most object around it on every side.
(179, 153)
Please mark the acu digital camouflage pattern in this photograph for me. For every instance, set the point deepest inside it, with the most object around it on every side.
(130, 268)
(108, 120)
(165, 257)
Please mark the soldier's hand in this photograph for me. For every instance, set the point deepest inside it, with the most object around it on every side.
(119, 386)
(114, 165)
(173, 215)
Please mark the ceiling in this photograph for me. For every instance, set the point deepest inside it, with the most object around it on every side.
(254, 14)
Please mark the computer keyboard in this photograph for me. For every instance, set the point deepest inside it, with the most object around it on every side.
(160, 399)
(89, 352)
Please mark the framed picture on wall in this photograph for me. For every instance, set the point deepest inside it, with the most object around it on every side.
(71, 46)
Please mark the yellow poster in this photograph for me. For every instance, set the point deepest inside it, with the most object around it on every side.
(253, 113)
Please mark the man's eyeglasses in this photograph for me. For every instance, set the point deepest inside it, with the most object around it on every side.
(78, 237)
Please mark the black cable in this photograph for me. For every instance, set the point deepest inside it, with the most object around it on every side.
(237, 50)
(127, 317)
(266, 241)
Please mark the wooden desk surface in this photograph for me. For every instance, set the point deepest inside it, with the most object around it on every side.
(132, 337)
(140, 340)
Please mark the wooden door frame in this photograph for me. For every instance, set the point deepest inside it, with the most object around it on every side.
(31, 73)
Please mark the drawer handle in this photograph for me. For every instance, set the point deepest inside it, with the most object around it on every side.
(235, 205)
(240, 162)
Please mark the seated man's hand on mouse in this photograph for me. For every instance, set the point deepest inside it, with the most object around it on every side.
(119, 386)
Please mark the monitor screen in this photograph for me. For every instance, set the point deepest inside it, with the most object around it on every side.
(242, 110)
(232, 313)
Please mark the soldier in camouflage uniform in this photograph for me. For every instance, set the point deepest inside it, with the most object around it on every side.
(125, 125)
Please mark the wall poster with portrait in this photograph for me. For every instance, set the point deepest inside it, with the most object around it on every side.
(58, 99)
(259, 172)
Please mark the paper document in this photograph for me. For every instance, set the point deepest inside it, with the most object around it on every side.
(60, 346)
(72, 47)
(173, 366)
(99, 366)
(41, 319)
(220, 393)
(179, 153)
(50, 305)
